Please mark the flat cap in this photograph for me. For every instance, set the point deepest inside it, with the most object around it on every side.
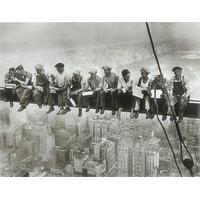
(92, 71)
(106, 67)
(20, 67)
(125, 72)
(144, 70)
(59, 65)
(39, 66)
(77, 72)
(176, 68)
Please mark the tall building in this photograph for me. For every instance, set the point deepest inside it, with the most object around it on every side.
(4, 117)
(110, 156)
(151, 163)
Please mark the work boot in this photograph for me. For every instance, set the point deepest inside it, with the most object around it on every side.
(51, 108)
(79, 112)
(151, 115)
(113, 112)
(11, 104)
(164, 117)
(147, 115)
(87, 109)
(6, 100)
(119, 112)
(102, 111)
(67, 109)
(21, 108)
(132, 114)
(180, 119)
(171, 118)
(60, 111)
(97, 110)
(136, 114)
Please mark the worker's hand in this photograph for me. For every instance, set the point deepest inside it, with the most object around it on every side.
(106, 90)
(97, 89)
(144, 92)
(113, 90)
(119, 91)
(15, 79)
(60, 89)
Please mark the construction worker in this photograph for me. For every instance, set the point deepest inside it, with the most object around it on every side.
(61, 85)
(76, 89)
(159, 84)
(24, 86)
(179, 93)
(109, 85)
(94, 84)
(144, 83)
(9, 93)
(124, 87)
(41, 86)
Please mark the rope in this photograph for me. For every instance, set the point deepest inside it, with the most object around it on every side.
(189, 163)
(156, 104)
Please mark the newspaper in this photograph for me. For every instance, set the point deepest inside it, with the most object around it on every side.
(88, 93)
(137, 92)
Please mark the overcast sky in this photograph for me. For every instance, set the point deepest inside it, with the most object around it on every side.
(40, 35)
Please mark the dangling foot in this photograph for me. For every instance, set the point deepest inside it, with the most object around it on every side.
(164, 117)
(87, 109)
(180, 119)
(50, 110)
(102, 111)
(151, 115)
(11, 104)
(119, 112)
(79, 112)
(60, 111)
(171, 118)
(113, 112)
(136, 114)
(67, 109)
(147, 115)
(21, 108)
(132, 114)
(97, 110)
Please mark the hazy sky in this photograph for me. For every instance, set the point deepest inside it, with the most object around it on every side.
(40, 35)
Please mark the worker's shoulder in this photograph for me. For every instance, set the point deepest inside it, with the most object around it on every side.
(28, 74)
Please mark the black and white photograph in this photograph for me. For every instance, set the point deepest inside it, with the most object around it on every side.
(107, 99)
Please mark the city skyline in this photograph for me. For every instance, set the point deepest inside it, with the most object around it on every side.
(96, 145)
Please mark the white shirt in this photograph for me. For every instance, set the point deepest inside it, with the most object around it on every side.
(61, 79)
(122, 84)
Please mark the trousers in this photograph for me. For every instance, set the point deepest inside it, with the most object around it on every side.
(40, 97)
(23, 95)
(110, 94)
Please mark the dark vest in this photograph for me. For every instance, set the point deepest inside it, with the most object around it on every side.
(41, 80)
(76, 84)
(178, 88)
(22, 78)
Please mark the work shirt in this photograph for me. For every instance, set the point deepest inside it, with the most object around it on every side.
(144, 86)
(178, 87)
(40, 80)
(23, 77)
(122, 84)
(8, 77)
(110, 81)
(61, 79)
(94, 83)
